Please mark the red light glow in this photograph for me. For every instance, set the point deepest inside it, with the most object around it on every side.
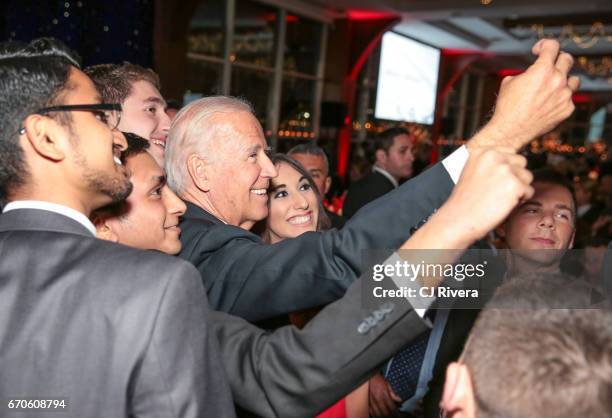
(368, 15)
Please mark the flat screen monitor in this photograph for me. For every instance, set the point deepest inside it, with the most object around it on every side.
(407, 80)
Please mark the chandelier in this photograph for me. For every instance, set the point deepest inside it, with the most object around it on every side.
(577, 35)
(596, 66)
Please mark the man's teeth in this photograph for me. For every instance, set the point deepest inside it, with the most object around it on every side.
(117, 160)
(298, 220)
(158, 142)
(259, 191)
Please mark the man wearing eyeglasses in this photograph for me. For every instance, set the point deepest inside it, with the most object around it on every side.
(87, 328)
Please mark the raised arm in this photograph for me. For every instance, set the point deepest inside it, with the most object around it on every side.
(297, 373)
(242, 275)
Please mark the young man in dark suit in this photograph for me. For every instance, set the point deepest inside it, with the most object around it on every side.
(393, 160)
(216, 161)
(537, 234)
(108, 330)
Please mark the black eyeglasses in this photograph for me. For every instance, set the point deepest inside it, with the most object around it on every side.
(103, 112)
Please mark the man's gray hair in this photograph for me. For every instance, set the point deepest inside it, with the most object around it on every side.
(310, 149)
(192, 132)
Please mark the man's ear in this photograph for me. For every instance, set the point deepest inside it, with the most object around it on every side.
(458, 396)
(103, 228)
(571, 243)
(199, 171)
(45, 137)
(381, 156)
(328, 181)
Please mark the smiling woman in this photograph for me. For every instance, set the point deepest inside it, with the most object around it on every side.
(295, 207)
(294, 202)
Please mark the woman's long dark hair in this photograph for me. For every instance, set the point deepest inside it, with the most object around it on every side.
(323, 221)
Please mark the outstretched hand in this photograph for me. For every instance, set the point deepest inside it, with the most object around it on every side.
(534, 102)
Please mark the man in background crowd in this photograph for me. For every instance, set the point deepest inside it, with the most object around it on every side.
(392, 163)
(314, 159)
(536, 235)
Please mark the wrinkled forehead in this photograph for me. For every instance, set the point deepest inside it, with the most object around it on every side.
(237, 130)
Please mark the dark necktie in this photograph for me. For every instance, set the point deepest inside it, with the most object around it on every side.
(403, 373)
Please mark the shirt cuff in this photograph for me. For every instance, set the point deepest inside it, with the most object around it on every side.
(424, 302)
(455, 162)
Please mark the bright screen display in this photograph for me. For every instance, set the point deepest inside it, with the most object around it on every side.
(407, 80)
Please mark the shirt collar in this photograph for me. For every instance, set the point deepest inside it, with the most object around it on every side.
(52, 207)
(387, 175)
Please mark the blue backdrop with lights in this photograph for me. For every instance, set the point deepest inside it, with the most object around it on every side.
(101, 31)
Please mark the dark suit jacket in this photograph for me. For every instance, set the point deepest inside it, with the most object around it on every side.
(112, 330)
(121, 332)
(364, 191)
(298, 373)
(253, 280)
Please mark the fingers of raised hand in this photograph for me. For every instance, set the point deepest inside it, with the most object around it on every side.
(564, 63)
(573, 83)
(547, 50)
(520, 183)
(516, 160)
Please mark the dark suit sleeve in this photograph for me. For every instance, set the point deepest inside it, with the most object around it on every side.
(255, 281)
(180, 374)
(298, 373)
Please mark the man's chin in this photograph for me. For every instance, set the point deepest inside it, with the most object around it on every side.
(172, 248)
(256, 215)
(542, 257)
(121, 192)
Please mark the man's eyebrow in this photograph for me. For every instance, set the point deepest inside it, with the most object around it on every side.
(157, 181)
(563, 206)
(253, 148)
(154, 99)
(532, 203)
(315, 170)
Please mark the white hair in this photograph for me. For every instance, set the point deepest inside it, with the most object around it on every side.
(192, 132)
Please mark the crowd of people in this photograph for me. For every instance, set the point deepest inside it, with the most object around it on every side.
(160, 264)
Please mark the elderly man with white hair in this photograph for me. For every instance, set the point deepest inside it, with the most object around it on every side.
(217, 161)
